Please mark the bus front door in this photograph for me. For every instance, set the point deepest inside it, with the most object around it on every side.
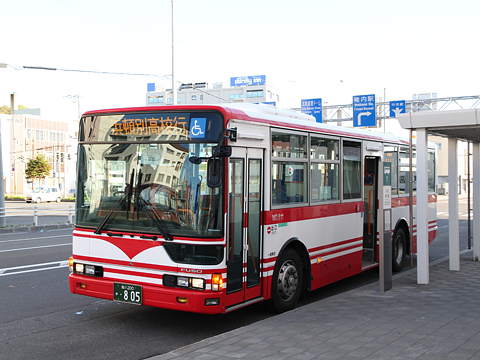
(244, 236)
(370, 194)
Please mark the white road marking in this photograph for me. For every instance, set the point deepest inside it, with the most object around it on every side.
(35, 247)
(39, 238)
(28, 268)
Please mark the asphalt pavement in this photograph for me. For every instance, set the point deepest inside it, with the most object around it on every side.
(440, 320)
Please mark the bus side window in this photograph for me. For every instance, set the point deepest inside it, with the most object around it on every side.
(279, 192)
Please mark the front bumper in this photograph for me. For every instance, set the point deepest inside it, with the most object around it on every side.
(157, 296)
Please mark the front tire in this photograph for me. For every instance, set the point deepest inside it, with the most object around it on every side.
(38, 201)
(58, 200)
(287, 281)
(398, 250)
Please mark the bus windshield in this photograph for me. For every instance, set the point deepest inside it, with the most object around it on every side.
(150, 187)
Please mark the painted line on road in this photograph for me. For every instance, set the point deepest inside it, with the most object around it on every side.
(28, 268)
(39, 238)
(35, 247)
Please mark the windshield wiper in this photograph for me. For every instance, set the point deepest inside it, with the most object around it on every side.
(156, 220)
(113, 211)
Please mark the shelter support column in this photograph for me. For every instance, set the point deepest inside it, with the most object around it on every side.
(423, 275)
(453, 228)
(476, 201)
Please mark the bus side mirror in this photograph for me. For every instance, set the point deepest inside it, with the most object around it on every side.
(214, 173)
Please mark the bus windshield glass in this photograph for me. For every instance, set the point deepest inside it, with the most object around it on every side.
(148, 187)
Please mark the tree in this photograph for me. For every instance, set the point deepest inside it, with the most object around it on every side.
(37, 168)
(6, 110)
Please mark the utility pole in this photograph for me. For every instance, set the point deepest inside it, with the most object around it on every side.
(174, 89)
(12, 112)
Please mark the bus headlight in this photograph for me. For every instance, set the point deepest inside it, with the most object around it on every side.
(89, 270)
(79, 268)
(182, 281)
(198, 283)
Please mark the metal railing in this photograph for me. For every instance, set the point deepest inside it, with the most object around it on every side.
(37, 211)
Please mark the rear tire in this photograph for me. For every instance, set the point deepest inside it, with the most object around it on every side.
(287, 281)
(38, 201)
(58, 200)
(398, 250)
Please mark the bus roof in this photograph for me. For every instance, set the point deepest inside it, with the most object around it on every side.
(266, 114)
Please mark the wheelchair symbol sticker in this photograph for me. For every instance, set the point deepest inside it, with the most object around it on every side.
(197, 128)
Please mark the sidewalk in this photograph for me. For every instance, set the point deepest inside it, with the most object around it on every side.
(435, 321)
(20, 217)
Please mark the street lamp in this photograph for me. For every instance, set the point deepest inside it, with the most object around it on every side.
(75, 99)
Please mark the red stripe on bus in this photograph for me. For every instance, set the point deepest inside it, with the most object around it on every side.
(311, 212)
(405, 200)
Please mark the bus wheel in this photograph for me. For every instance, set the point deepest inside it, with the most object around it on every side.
(287, 281)
(398, 250)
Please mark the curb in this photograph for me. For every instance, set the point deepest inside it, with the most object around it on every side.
(32, 228)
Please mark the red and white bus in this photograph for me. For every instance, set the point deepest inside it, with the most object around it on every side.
(211, 208)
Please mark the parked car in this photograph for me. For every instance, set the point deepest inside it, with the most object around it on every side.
(44, 193)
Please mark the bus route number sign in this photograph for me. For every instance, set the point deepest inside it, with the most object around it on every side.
(127, 293)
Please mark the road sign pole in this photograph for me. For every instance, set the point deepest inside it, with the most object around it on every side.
(3, 220)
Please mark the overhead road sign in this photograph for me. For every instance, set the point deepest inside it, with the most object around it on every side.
(271, 103)
(313, 107)
(364, 110)
(397, 107)
(248, 80)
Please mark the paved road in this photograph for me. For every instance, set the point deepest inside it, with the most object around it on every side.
(41, 319)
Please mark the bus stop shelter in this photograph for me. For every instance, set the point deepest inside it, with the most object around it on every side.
(456, 125)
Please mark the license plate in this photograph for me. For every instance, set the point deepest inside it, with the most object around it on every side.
(127, 293)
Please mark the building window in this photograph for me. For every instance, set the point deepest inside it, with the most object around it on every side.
(254, 93)
(155, 99)
(235, 96)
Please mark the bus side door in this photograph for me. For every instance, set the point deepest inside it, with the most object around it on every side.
(244, 244)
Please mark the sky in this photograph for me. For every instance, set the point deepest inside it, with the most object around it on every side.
(331, 49)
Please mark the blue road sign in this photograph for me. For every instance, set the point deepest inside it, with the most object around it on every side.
(397, 107)
(271, 103)
(364, 110)
(313, 107)
(248, 80)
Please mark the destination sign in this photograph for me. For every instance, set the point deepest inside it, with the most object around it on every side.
(141, 126)
(203, 126)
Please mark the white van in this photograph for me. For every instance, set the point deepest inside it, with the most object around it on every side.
(44, 193)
